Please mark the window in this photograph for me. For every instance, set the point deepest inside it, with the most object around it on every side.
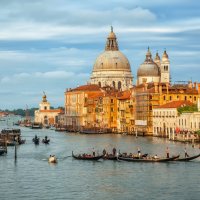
(164, 98)
(119, 85)
(111, 100)
(113, 84)
(185, 98)
(112, 109)
(45, 108)
(99, 84)
(195, 98)
(177, 97)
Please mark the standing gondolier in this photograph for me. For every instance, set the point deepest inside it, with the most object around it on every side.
(167, 152)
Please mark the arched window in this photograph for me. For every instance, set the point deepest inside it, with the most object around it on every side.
(99, 84)
(119, 85)
(113, 84)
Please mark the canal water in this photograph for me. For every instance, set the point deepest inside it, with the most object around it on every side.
(32, 177)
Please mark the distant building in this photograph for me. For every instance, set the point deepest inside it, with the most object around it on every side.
(45, 115)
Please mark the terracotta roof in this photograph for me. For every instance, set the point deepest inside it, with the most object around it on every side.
(125, 95)
(176, 104)
(54, 110)
(91, 87)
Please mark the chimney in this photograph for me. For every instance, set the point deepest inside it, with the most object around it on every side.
(195, 85)
(156, 87)
(198, 104)
(160, 89)
(198, 88)
(190, 84)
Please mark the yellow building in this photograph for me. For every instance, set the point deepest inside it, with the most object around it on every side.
(45, 115)
(126, 112)
(152, 95)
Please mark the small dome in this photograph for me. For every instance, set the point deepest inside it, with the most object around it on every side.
(165, 56)
(111, 60)
(149, 67)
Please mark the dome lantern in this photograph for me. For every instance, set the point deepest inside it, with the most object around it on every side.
(111, 44)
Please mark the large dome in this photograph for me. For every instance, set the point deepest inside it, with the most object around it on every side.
(112, 68)
(111, 60)
(149, 67)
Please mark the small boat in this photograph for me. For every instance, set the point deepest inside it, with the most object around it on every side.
(187, 158)
(52, 159)
(86, 157)
(148, 159)
(2, 151)
(45, 141)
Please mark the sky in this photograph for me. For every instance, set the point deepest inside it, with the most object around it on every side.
(51, 45)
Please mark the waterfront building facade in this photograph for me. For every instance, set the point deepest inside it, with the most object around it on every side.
(45, 115)
(152, 95)
(76, 100)
(165, 118)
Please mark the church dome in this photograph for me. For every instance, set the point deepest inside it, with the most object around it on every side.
(111, 58)
(149, 67)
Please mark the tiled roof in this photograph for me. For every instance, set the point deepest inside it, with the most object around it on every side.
(54, 110)
(125, 95)
(176, 104)
(91, 87)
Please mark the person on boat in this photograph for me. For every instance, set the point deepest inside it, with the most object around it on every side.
(93, 153)
(104, 152)
(167, 152)
(139, 152)
(186, 154)
(114, 151)
(155, 157)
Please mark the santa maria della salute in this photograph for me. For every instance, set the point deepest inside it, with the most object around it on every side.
(113, 69)
(110, 102)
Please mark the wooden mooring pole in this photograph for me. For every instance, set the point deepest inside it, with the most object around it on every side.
(15, 150)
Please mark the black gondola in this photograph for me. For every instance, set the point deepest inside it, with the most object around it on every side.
(86, 157)
(188, 158)
(45, 141)
(110, 157)
(148, 159)
(2, 151)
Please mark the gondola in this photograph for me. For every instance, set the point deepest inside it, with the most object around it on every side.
(110, 157)
(86, 157)
(148, 159)
(52, 159)
(2, 151)
(45, 141)
(187, 158)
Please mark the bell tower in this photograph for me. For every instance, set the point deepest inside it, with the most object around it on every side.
(165, 68)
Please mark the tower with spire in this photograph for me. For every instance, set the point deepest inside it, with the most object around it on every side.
(165, 68)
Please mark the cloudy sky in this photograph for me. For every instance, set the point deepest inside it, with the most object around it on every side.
(51, 45)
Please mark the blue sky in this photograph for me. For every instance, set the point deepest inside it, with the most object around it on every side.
(51, 45)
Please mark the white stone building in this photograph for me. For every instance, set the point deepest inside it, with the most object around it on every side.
(45, 115)
(154, 70)
(166, 118)
(111, 67)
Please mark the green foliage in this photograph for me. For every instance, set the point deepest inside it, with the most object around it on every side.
(198, 132)
(187, 109)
